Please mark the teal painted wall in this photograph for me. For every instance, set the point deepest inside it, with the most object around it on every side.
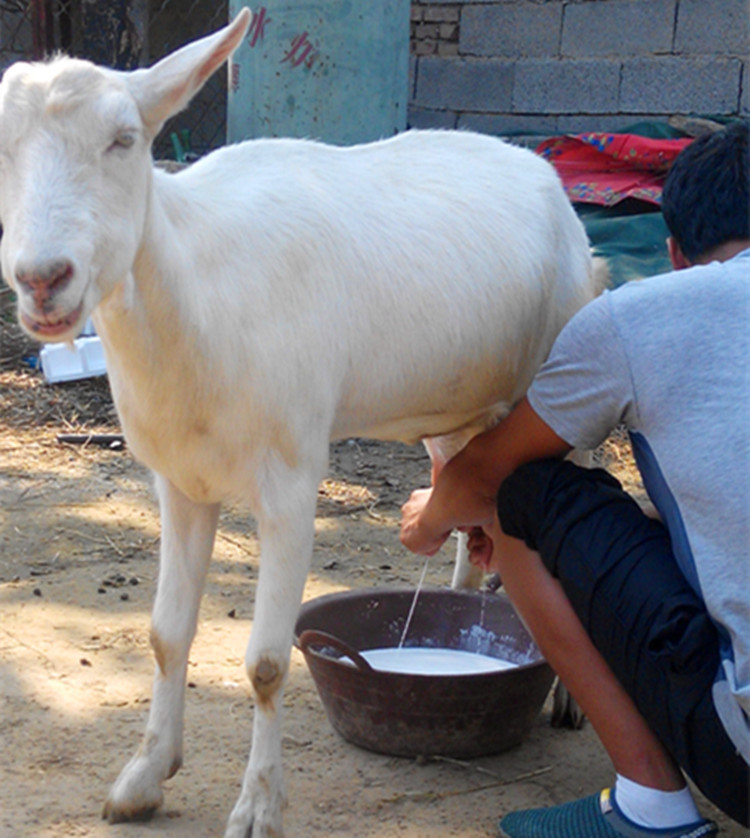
(332, 70)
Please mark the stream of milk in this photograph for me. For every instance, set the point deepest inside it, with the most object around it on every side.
(422, 660)
(413, 603)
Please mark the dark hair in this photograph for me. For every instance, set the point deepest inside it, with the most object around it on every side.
(706, 201)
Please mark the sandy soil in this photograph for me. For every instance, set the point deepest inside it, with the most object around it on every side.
(78, 548)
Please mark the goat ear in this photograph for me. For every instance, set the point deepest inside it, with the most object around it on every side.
(167, 87)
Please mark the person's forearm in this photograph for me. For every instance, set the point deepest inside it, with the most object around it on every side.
(469, 483)
(464, 494)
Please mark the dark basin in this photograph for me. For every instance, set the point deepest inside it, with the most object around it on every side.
(460, 716)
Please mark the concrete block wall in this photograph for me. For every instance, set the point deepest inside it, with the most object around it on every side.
(549, 66)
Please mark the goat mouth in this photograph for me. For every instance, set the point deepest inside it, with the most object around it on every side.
(49, 328)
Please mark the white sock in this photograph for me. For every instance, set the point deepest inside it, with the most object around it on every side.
(654, 808)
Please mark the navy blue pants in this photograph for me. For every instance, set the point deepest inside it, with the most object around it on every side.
(617, 569)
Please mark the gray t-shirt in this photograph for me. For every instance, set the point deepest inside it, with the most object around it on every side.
(669, 357)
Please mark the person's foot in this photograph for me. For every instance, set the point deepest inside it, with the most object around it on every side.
(597, 816)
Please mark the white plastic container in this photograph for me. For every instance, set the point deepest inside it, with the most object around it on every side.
(85, 360)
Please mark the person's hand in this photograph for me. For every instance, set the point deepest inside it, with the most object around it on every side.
(416, 532)
(480, 546)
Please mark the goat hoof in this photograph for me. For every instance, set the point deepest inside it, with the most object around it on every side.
(565, 710)
(258, 811)
(121, 814)
(136, 794)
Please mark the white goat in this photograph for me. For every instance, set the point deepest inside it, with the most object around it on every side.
(275, 295)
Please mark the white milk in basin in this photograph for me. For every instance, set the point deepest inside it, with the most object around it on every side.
(418, 660)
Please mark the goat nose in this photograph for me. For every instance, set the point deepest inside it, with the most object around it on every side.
(45, 279)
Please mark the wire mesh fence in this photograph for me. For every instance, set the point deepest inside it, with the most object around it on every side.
(125, 34)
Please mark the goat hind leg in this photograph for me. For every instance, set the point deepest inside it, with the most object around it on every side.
(441, 449)
(465, 575)
(188, 531)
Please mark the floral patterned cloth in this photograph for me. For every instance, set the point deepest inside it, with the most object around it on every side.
(607, 168)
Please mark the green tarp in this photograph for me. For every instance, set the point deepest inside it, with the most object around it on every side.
(632, 235)
(633, 242)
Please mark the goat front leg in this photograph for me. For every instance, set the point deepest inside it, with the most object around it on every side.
(187, 537)
(286, 550)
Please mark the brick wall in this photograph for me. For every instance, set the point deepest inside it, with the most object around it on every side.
(549, 66)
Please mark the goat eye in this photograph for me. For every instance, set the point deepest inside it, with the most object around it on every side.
(123, 140)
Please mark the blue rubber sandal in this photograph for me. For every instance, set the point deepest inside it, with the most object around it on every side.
(597, 816)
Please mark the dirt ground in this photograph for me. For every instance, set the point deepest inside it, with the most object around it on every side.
(78, 557)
